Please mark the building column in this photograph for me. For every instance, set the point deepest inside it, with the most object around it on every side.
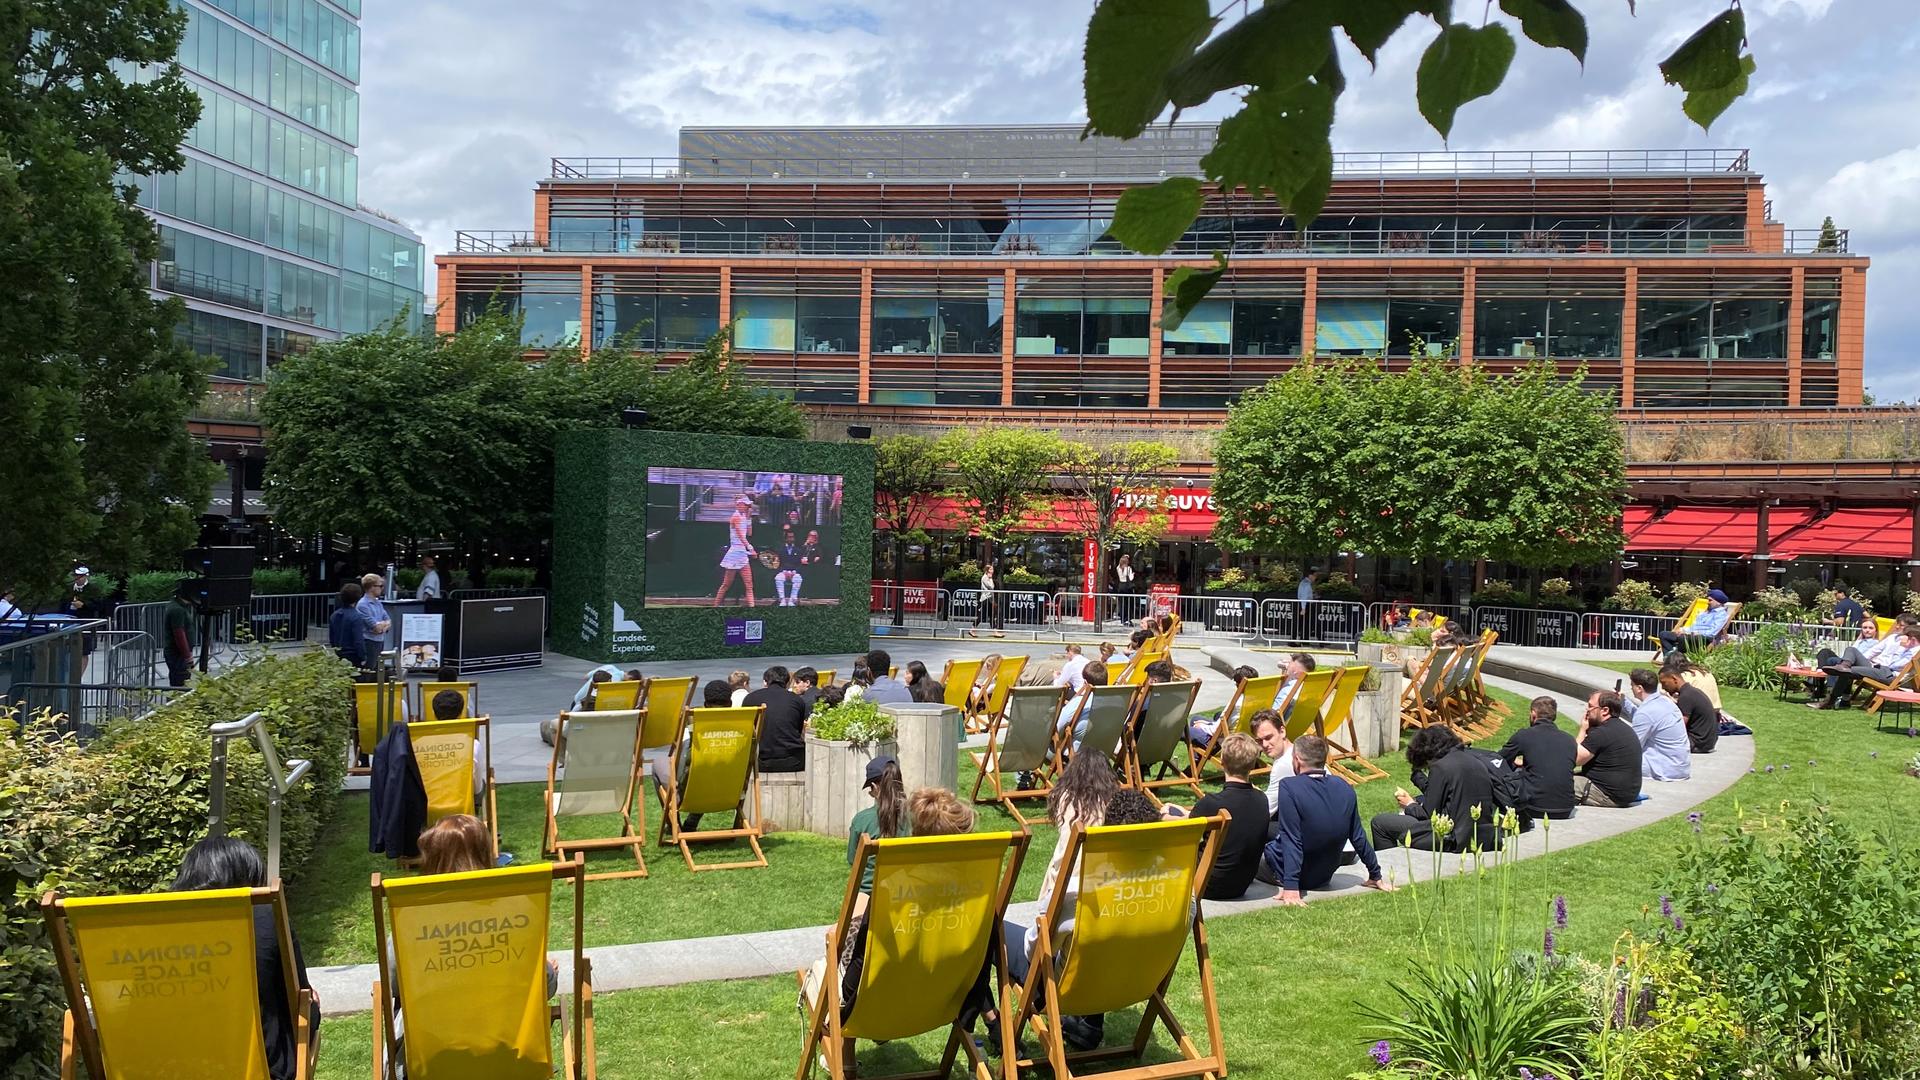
(1466, 351)
(1850, 350)
(542, 202)
(447, 297)
(1629, 335)
(866, 334)
(1007, 306)
(726, 303)
(1913, 563)
(1153, 338)
(1796, 316)
(586, 310)
(1762, 550)
(1309, 302)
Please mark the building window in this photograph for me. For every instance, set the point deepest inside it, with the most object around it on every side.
(1206, 331)
(1047, 326)
(1510, 328)
(550, 304)
(830, 324)
(764, 322)
(905, 324)
(235, 343)
(1267, 327)
(1421, 327)
(1568, 327)
(1117, 326)
(1819, 324)
(1350, 327)
(1739, 328)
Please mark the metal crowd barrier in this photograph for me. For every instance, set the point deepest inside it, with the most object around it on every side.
(1537, 627)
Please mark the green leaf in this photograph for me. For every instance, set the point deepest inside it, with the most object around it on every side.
(1462, 64)
(1149, 219)
(1710, 59)
(1552, 23)
(1369, 23)
(1186, 287)
(1131, 46)
(1703, 107)
(1277, 46)
(1279, 142)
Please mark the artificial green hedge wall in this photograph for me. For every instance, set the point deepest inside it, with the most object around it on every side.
(116, 815)
(599, 549)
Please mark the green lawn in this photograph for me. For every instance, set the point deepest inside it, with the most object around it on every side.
(1288, 979)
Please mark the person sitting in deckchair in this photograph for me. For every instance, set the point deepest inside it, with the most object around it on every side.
(458, 845)
(1200, 731)
(715, 695)
(931, 812)
(1094, 674)
(1160, 671)
(221, 862)
(449, 705)
(1124, 807)
(886, 818)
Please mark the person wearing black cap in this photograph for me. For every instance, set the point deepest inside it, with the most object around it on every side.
(886, 818)
(1706, 626)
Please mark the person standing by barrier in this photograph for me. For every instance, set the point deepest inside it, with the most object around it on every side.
(343, 628)
(989, 609)
(374, 622)
(182, 633)
(430, 588)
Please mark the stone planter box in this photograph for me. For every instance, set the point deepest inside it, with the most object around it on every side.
(783, 802)
(1405, 657)
(927, 741)
(835, 774)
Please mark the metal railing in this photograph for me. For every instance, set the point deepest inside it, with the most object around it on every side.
(44, 670)
(1536, 627)
(1091, 161)
(1240, 242)
(278, 782)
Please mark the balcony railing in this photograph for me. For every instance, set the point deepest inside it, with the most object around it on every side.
(1200, 245)
(1123, 162)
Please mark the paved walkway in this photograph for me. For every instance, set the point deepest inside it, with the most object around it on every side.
(346, 988)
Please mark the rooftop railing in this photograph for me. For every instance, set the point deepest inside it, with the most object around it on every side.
(1198, 245)
(1091, 162)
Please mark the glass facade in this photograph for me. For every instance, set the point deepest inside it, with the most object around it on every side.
(261, 232)
(1571, 327)
(1713, 327)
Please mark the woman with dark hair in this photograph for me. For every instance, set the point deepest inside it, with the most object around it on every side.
(343, 628)
(1453, 783)
(924, 687)
(885, 819)
(858, 680)
(221, 862)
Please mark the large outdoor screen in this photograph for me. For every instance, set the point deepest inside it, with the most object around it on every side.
(728, 538)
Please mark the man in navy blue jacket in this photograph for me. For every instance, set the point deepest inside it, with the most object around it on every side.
(1318, 816)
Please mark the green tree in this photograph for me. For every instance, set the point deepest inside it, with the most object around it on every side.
(1001, 474)
(1102, 481)
(1829, 236)
(94, 388)
(1439, 460)
(906, 480)
(1144, 56)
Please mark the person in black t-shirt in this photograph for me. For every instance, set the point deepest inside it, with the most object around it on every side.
(1696, 708)
(1246, 836)
(1608, 754)
(783, 743)
(1456, 785)
(225, 863)
(1543, 755)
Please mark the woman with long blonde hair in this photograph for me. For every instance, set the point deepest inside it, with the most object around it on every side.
(737, 561)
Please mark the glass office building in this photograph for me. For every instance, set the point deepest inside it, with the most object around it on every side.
(262, 234)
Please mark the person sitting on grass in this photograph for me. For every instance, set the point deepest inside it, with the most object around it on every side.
(222, 862)
(1319, 817)
(1542, 755)
(1657, 724)
(1200, 731)
(1702, 720)
(929, 812)
(1246, 836)
(1608, 753)
(1270, 731)
(1456, 785)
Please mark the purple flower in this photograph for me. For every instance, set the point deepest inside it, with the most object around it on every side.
(1769, 768)
(1620, 1006)
(1560, 912)
(1382, 1053)
(1666, 907)
(1546, 945)
(1694, 820)
(1526, 1073)
(1911, 732)
(1678, 923)
(1712, 888)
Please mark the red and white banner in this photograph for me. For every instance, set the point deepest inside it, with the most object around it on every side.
(1163, 598)
(1089, 579)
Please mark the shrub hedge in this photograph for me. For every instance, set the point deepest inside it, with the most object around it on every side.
(115, 815)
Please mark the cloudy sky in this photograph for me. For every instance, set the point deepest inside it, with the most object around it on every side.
(464, 101)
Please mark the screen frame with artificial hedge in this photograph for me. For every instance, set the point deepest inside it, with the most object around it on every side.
(600, 550)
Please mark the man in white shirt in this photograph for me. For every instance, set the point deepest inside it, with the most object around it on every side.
(1270, 731)
(1880, 662)
(1071, 672)
(1662, 731)
(429, 581)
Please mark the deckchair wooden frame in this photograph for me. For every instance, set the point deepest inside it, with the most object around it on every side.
(632, 833)
(824, 1024)
(80, 1038)
(1136, 766)
(1903, 677)
(1236, 710)
(577, 1048)
(1006, 675)
(483, 735)
(1456, 707)
(1063, 748)
(1343, 760)
(986, 761)
(1420, 701)
(748, 828)
(1040, 994)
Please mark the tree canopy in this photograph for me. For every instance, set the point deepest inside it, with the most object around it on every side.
(1146, 56)
(388, 435)
(1439, 460)
(94, 388)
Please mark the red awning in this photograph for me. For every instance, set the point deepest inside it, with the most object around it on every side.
(1874, 532)
(1724, 530)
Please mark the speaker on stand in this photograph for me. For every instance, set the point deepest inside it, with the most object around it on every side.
(225, 584)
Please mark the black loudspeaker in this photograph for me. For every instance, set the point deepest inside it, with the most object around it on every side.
(221, 593)
(223, 562)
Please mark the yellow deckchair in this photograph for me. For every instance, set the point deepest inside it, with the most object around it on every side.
(366, 703)
(466, 957)
(469, 698)
(1302, 710)
(1020, 739)
(665, 699)
(933, 922)
(1249, 697)
(719, 752)
(595, 770)
(957, 679)
(1135, 673)
(444, 751)
(1105, 710)
(1342, 759)
(1005, 677)
(826, 676)
(1138, 904)
(1158, 738)
(1439, 620)
(169, 985)
(618, 695)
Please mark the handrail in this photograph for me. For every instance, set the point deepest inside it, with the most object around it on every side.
(278, 782)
